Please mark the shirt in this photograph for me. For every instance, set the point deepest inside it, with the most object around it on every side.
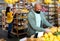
(38, 19)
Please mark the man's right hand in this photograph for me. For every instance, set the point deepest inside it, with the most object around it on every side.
(47, 30)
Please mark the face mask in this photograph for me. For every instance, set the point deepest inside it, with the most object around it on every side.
(38, 12)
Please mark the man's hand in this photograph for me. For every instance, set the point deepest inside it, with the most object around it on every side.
(47, 30)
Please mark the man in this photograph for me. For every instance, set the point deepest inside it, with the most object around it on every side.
(36, 18)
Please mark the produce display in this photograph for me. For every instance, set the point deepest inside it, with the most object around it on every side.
(24, 10)
(10, 1)
(29, 1)
(54, 35)
(48, 2)
(58, 1)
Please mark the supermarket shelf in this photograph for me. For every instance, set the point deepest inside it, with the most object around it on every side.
(19, 34)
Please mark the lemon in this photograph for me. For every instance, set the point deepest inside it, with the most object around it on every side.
(53, 29)
(58, 37)
(46, 35)
(54, 36)
(50, 34)
(51, 38)
(58, 29)
(43, 38)
(47, 39)
(59, 1)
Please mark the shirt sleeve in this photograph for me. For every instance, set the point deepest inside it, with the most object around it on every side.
(45, 21)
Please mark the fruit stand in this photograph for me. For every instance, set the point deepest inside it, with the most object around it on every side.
(54, 35)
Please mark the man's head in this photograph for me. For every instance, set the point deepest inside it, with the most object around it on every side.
(38, 7)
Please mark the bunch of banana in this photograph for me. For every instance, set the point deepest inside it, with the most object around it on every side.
(10, 1)
(58, 1)
(29, 1)
(48, 1)
(25, 10)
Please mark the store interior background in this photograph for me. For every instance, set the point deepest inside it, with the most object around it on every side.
(51, 14)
